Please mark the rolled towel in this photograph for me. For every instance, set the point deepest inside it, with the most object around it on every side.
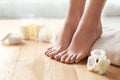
(110, 42)
(112, 8)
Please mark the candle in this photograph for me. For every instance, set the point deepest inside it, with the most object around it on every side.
(24, 29)
(31, 28)
(37, 29)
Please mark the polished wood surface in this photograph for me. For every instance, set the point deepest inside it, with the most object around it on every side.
(27, 61)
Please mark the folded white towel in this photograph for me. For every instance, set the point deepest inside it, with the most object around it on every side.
(112, 8)
(110, 42)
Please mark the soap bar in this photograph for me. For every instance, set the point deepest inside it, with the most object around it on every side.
(37, 29)
(15, 39)
(12, 38)
(6, 36)
(24, 30)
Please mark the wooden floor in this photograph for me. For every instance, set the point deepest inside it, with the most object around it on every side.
(28, 62)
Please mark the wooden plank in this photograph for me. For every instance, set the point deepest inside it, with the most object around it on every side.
(8, 60)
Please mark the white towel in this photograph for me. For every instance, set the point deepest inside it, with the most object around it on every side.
(110, 42)
(112, 8)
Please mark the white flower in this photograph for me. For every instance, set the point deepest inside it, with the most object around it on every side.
(98, 61)
(103, 65)
(92, 63)
(45, 35)
(98, 53)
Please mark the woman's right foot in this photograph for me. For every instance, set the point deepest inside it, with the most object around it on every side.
(64, 39)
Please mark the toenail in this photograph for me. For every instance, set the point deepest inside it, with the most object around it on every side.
(47, 55)
(62, 60)
(46, 52)
(56, 57)
(50, 54)
(67, 62)
(71, 62)
(76, 61)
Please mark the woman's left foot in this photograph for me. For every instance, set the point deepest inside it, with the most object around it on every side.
(88, 31)
(83, 39)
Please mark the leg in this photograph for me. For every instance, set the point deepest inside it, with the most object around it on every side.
(72, 20)
(88, 31)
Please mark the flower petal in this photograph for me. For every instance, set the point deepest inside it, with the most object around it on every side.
(91, 63)
(103, 65)
(98, 52)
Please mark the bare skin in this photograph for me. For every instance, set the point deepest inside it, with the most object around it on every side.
(73, 17)
(80, 45)
(87, 32)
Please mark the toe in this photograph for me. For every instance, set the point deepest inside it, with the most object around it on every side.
(52, 54)
(78, 58)
(72, 60)
(46, 52)
(49, 51)
(58, 56)
(63, 58)
(49, 48)
(67, 60)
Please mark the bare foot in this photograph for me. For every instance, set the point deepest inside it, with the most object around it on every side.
(74, 15)
(63, 41)
(81, 44)
(88, 31)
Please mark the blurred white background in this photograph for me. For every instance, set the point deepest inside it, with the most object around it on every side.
(10, 9)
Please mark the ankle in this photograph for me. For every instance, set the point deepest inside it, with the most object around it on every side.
(71, 24)
(96, 28)
(99, 30)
